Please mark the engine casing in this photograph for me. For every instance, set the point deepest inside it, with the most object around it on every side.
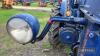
(68, 35)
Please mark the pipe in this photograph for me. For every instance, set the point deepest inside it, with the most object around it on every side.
(59, 19)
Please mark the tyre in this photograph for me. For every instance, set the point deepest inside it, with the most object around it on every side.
(53, 35)
(75, 48)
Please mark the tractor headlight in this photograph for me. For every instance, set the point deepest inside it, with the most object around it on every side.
(23, 28)
(20, 30)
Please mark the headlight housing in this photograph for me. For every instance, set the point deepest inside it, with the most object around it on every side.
(23, 28)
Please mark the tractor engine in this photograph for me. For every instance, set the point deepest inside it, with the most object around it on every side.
(68, 35)
(68, 32)
(71, 23)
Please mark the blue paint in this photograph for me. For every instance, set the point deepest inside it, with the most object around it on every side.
(63, 7)
(88, 36)
(31, 20)
(68, 36)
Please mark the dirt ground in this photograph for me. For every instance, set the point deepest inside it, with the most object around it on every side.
(26, 50)
(8, 47)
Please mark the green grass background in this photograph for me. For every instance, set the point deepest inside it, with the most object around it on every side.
(7, 45)
(36, 4)
(6, 42)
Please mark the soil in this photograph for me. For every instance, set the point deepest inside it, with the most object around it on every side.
(29, 49)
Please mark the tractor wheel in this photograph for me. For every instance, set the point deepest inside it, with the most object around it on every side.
(53, 35)
(75, 48)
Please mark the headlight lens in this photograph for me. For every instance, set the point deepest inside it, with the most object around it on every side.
(20, 30)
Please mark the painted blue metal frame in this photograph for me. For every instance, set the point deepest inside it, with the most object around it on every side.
(70, 20)
(31, 20)
(89, 36)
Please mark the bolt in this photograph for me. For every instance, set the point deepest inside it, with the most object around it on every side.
(91, 35)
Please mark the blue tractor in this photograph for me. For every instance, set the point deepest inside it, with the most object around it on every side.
(73, 23)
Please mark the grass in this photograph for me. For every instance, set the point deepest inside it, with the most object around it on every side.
(35, 4)
(6, 43)
(6, 14)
